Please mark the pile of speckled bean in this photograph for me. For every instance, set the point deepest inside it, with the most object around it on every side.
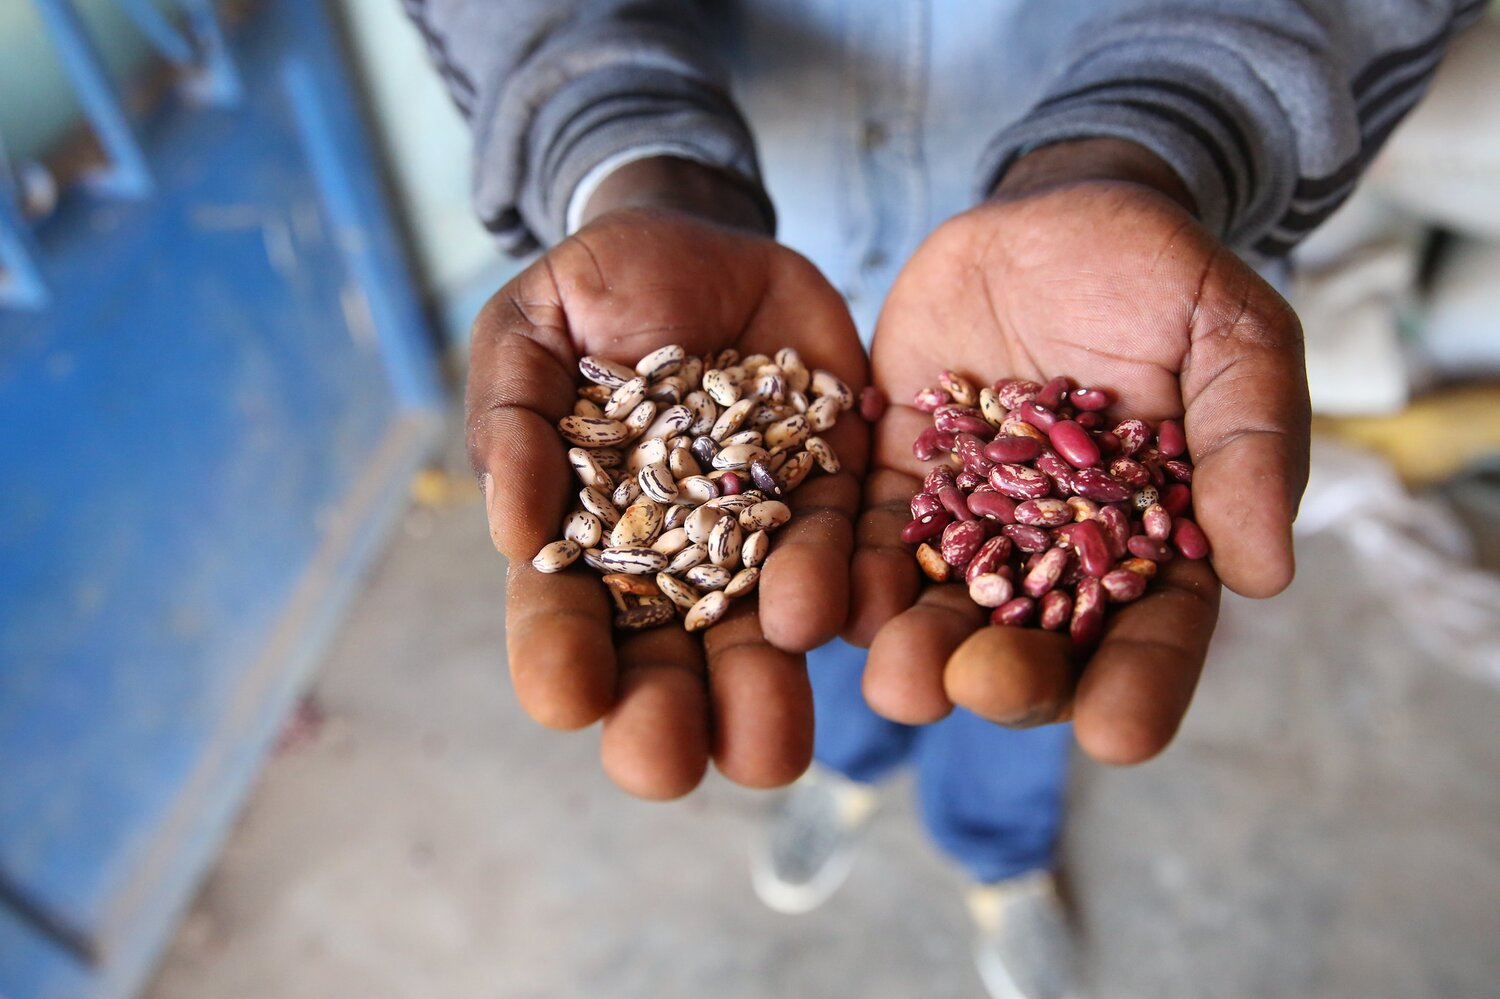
(1048, 510)
(685, 462)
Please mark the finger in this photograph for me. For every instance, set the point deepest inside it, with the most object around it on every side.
(1018, 677)
(884, 578)
(761, 702)
(520, 385)
(904, 673)
(804, 588)
(560, 647)
(1245, 390)
(655, 741)
(1137, 687)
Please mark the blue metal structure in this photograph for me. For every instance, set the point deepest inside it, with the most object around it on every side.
(207, 421)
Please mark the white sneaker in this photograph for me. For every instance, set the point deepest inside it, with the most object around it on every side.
(1023, 946)
(808, 845)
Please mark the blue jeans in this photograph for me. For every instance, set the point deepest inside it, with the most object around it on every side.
(991, 797)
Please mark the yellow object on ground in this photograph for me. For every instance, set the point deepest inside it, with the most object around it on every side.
(1432, 439)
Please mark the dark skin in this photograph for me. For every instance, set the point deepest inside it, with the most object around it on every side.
(1087, 262)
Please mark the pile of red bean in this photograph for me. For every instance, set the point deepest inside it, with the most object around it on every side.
(1046, 509)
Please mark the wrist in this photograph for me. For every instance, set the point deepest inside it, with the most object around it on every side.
(1060, 164)
(681, 185)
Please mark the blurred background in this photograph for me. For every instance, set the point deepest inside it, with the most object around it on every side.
(256, 737)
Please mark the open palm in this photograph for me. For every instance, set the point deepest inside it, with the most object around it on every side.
(632, 281)
(1117, 287)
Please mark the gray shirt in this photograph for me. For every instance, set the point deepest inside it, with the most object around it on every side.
(1267, 109)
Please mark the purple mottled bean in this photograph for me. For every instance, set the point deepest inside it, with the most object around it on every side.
(1044, 513)
(1020, 482)
(926, 526)
(1123, 586)
(1157, 522)
(1109, 443)
(1058, 470)
(955, 503)
(991, 557)
(968, 481)
(1092, 547)
(1011, 392)
(925, 447)
(937, 478)
(970, 450)
(945, 441)
(1148, 548)
(925, 503)
(960, 419)
(1053, 393)
(989, 589)
(1074, 443)
(1133, 435)
(1170, 440)
(1130, 472)
(1088, 613)
(1047, 571)
(1189, 539)
(1179, 470)
(1057, 610)
(1027, 539)
(1088, 399)
(1038, 416)
(1176, 499)
(1009, 450)
(993, 505)
(1095, 484)
(1014, 613)
(961, 540)
(927, 400)
(1116, 527)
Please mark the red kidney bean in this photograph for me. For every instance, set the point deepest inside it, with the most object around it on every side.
(1129, 471)
(730, 484)
(1088, 399)
(1116, 526)
(1014, 613)
(961, 540)
(1012, 392)
(1020, 482)
(1157, 522)
(1189, 539)
(930, 398)
(871, 404)
(1149, 548)
(990, 589)
(1008, 450)
(1037, 415)
(1044, 513)
(1088, 613)
(969, 481)
(1090, 421)
(955, 502)
(923, 504)
(945, 441)
(1053, 392)
(991, 557)
(1027, 539)
(1094, 484)
(1092, 547)
(1170, 440)
(993, 505)
(1046, 573)
(1176, 499)
(1179, 470)
(1057, 610)
(926, 526)
(1123, 586)
(925, 447)
(1133, 435)
(1074, 443)
(1109, 443)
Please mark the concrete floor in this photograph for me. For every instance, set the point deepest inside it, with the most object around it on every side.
(1327, 825)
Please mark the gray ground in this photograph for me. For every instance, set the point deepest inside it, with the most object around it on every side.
(1328, 825)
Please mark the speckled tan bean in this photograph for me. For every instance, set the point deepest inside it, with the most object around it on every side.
(602, 371)
(823, 453)
(583, 528)
(661, 362)
(656, 481)
(680, 593)
(724, 542)
(743, 582)
(598, 503)
(587, 468)
(557, 556)
(755, 549)
(829, 385)
(691, 556)
(731, 419)
(587, 431)
(707, 576)
(671, 542)
(709, 609)
(636, 559)
(639, 525)
(765, 516)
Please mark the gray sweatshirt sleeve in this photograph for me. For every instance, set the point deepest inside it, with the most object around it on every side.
(1269, 110)
(555, 88)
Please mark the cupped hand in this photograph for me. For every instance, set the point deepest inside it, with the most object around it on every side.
(1116, 286)
(631, 281)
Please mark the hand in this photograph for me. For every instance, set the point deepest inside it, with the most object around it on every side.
(633, 279)
(1070, 270)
